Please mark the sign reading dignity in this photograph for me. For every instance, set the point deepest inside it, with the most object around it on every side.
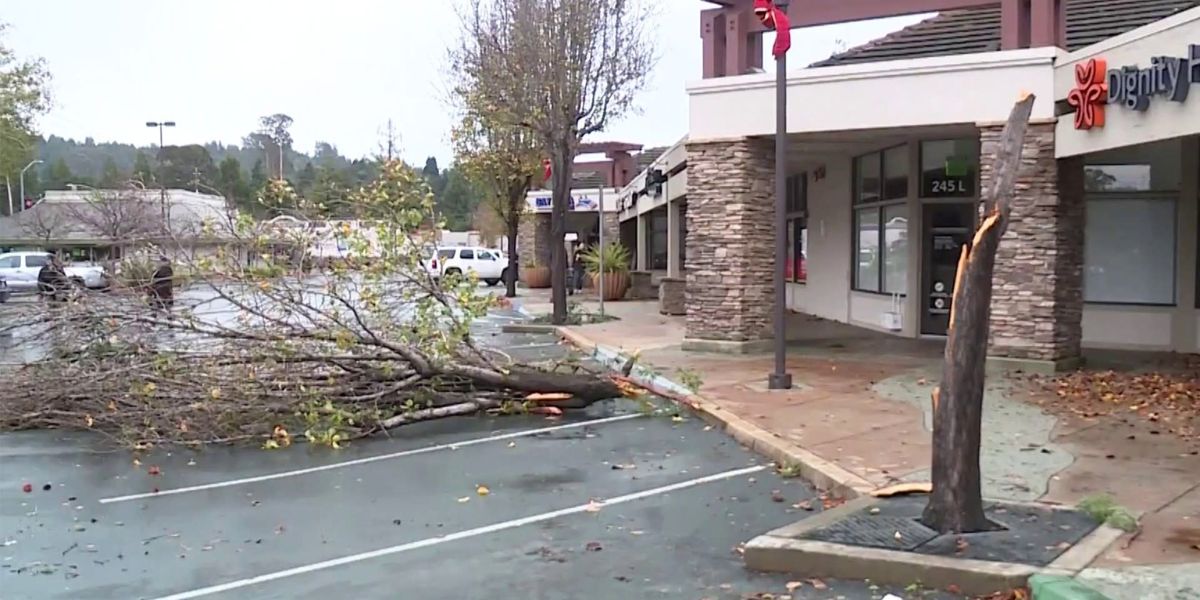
(1166, 76)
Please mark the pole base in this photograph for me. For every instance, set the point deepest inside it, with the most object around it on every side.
(779, 381)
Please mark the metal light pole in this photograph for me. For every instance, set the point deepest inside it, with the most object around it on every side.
(780, 379)
(603, 253)
(161, 184)
(31, 163)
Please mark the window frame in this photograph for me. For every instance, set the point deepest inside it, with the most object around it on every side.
(462, 253)
(879, 208)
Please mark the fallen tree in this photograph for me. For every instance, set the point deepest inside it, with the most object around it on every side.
(274, 338)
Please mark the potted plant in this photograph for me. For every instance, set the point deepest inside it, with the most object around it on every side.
(535, 277)
(612, 262)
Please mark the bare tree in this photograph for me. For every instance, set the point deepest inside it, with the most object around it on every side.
(44, 222)
(957, 502)
(564, 69)
(121, 217)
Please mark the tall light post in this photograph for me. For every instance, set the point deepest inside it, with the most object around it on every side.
(36, 161)
(161, 184)
(774, 16)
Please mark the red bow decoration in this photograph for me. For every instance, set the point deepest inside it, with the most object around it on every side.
(1090, 93)
(546, 171)
(773, 18)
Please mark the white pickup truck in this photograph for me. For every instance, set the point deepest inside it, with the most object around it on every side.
(19, 270)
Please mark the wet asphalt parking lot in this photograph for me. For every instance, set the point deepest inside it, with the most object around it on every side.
(607, 503)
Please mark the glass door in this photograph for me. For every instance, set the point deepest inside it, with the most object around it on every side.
(946, 228)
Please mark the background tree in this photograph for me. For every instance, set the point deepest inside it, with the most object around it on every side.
(58, 175)
(274, 139)
(111, 176)
(24, 95)
(179, 165)
(258, 176)
(564, 69)
(491, 228)
(142, 170)
(457, 201)
(502, 159)
(44, 222)
(232, 184)
(956, 503)
(122, 218)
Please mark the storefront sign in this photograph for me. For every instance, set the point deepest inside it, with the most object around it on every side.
(953, 181)
(580, 203)
(1097, 86)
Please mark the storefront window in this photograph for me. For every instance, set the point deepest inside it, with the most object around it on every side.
(895, 173)
(867, 171)
(1143, 168)
(795, 268)
(895, 249)
(658, 239)
(949, 168)
(881, 223)
(1129, 251)
(866, 259)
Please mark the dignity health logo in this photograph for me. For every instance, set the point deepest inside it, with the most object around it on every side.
(1131, 86)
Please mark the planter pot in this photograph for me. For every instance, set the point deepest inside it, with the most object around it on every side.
(536, 277)
(615, 285)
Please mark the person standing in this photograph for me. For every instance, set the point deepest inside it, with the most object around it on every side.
(162, 285)
(52, 280)
(577, 268)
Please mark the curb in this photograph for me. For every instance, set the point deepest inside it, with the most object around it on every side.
(528, 328)
(784, 550)
(822, 473)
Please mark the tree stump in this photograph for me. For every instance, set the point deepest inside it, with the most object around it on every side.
(956, 504)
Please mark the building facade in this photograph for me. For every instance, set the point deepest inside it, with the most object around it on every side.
(889, 149)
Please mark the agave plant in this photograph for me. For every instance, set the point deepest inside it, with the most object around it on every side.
(612, 257)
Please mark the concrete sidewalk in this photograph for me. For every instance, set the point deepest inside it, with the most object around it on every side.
(862, 404)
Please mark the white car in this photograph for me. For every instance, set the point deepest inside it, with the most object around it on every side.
(484, 263)
(20, 271)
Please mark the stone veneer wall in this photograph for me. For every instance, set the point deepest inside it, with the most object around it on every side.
(730, 240)
(1037, 301)
(533, 240)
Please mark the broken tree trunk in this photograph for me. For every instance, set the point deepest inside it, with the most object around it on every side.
(956, 504)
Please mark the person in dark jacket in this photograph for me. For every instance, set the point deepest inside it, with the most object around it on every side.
(162, 285)
(52, 280)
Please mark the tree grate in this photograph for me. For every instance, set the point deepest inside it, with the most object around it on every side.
(875, 532)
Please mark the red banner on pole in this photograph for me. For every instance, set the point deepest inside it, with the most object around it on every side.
(774, 18)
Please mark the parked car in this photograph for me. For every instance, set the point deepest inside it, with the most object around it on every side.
(483, 262)
(20, 271)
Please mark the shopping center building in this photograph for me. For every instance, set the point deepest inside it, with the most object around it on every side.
(889, 146)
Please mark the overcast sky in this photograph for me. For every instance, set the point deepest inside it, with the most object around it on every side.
(340, 69)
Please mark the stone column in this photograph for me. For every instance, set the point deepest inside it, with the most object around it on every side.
(1037, 300)
(533, 240)
(730, 241)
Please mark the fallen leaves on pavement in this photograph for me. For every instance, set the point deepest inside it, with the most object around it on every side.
(1167, 400)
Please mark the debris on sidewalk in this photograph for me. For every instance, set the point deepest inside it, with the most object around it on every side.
(1167, 400)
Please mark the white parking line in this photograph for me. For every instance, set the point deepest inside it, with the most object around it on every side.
(369, 459)
(460, 535)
